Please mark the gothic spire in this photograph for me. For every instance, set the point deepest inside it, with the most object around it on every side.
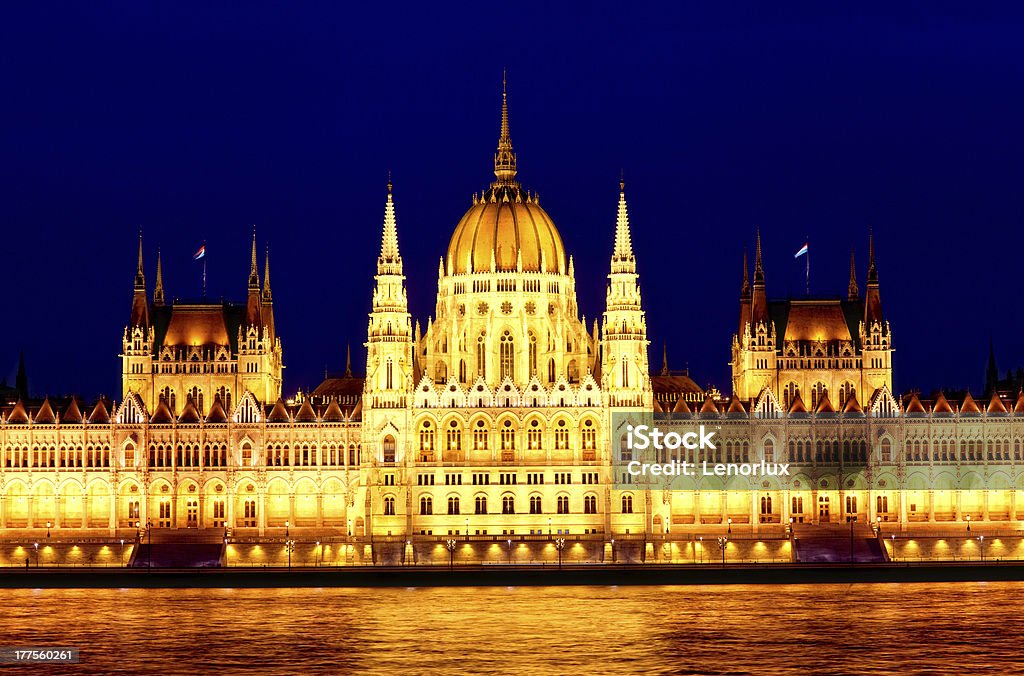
(140, 304)
(622, 258)
(389, 239)
(140, 277)
(505, 157)
(853, 292)
(872, 270)
(758, 269)
(267, 296)
(158, 292)
(254, 274)
(745, 289)
(664, 359)
(348, 360)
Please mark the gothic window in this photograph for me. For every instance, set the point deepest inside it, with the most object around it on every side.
(454, 436)
(886, 451)
(481, 357)
(574, 374)
(389, 449)
(627, 504)
(561, 436)
(533, 435)
(246, 454)
(426, 505)
(563, 504)
(551, 370)
(508, 436)
(389, 375)
(426, 440)
(389, 506)
(846, 390)
(535, 505)
(480, 436)
(462, 370)
(789, 394)
(507, 356)
(440, 372)
(481, 504)
(589, 435)
(590, 504)
(769, 450)
(508, 504)
(453, 505)
(818, 392)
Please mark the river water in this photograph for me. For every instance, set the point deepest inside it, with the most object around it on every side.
(963, 628)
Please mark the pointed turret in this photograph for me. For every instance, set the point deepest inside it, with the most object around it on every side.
(267, 301)
(252, 306)
(390, 260)
(348, 360)
(622, 257)
(158, 292)
(852, 292)
(872, 299)
(268, 296)
(759, 297)
(664, 359)
(140, 305)
(744, 296)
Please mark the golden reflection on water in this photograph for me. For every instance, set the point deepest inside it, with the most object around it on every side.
(737, 629)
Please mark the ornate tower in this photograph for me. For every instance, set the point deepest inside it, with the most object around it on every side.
(875, 336)
(137, 340)
(624, 365)
(389, 366)
(753, 348)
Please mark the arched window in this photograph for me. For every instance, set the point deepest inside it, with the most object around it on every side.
(507, 356)
(551, 370)
(508, 504)
(563, 504)
(769, 450)
(480, 436)
(535, 505)
(533, 435)
(818, 392)
(389, 506)
(627, 504)
(789, 394)
(426, 505)
(440, 372)
(561, 436)
(508, 437)
(389, 449)
(462, 370)
(481, 356)
(246, 454)
(426, 440)
(454, 436)
(590, 504)
(481, 504)
(589, 435)
(453, 505)
(886, 451)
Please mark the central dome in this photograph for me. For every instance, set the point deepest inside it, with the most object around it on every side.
(506, 225)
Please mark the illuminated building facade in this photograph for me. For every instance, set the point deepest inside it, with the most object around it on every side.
(502, 416)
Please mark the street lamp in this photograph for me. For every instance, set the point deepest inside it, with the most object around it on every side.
(37, 555)
(510, 550)
(730, 525)
(450, 544)
(722, 542)
(968, 523)
(350, 527)
(853, 520)
(892, 539)
(316, 554)
(467, 530)
(287, 525)
(149, 549)
(702, 549)
(981, 541)
(613, 550)
(878, 525)
(289, 546)
(122, 552)
(560, 545)
(48, 524)
(549, 528)
(789, 528)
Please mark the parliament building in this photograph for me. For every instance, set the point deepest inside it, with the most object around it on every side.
(502, 415)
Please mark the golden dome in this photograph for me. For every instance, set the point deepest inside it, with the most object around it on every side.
(506, 224)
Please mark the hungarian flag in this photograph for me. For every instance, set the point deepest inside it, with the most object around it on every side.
(202, 252)
(801, 252)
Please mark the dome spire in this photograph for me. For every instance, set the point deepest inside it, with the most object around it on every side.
(505, 158)
(389, 255)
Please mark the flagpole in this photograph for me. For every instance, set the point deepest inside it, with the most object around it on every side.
(204, 270)
(808, 254)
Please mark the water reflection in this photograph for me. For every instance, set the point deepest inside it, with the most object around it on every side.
(732, 629)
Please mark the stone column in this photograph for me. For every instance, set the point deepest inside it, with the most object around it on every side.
(31, 508)
(57, 504)
(112, 520)
(319, 510)
(984, 505)
(174, 509)
(291, 508)
(261, 510)
(815, 517)
(202, 510)
(229, 509)
(696, 508)
(784, 513)
(1013, 502)
(931, 505)
(755, 512)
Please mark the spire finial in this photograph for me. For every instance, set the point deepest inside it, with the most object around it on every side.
(872, 270)
(622, 257)
(853, 292)
(389, 238)
(758, 269)
(267, 295)
(389, 181)
(158, 292)
(622, 181)
(505, 158)
(254, 274)
(745, 289)
(348, 360)
(664, 359)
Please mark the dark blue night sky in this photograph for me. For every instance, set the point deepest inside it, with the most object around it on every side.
(196, 121)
